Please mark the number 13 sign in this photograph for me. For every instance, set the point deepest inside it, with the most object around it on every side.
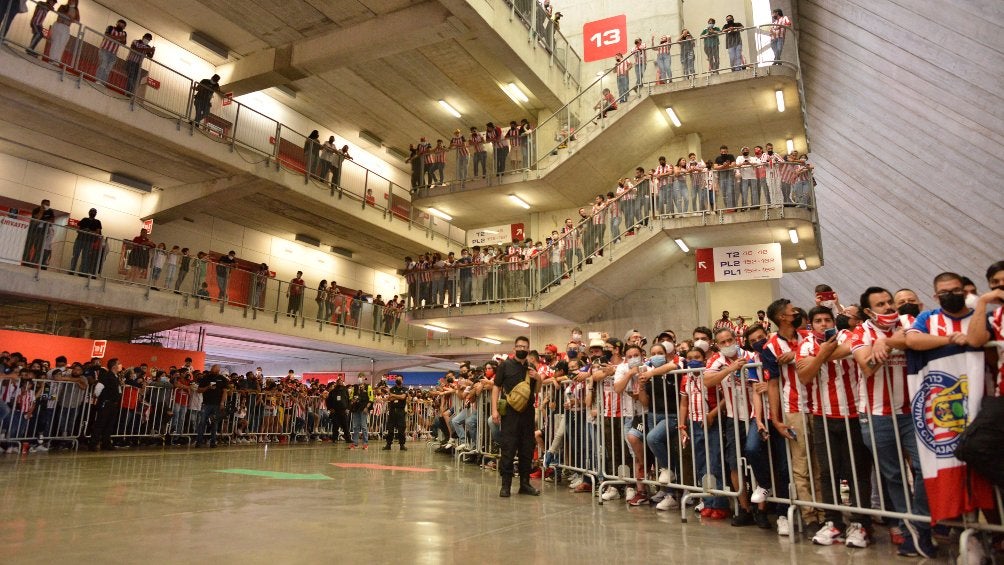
(604, 38)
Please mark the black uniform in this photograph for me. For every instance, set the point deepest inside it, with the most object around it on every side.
(106, 409)
(517, 427)
(338, 403)
(395, 418)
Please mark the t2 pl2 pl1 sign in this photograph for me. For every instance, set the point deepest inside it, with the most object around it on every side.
(739, 263)
(496, 235)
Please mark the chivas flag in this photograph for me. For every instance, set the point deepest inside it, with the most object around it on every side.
(946, 387)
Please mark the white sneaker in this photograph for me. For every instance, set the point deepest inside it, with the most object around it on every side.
(856, 536)
(827, 535)
(664, 476)
(668, 503)
(975, 554)
(699, 507)
(12, 450)
(759, 495)
(451, 443)
(783, 529)
(611, 494)
(576, 481)
(629, 493)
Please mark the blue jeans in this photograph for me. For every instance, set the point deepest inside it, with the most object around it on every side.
(727, 188)
(657, 438)
(885, 430)
(106, 63)
(708, 459)
(639, 74)
(178, 419)
(698, 195)
(359, 427)
(471, 425)
(615, 228)
(462, 166)
(749, 193)
(623, 85)
(680, 196)
(208, 411)
(457, 422)
(663, 62)
(777, 45)
(736, 57)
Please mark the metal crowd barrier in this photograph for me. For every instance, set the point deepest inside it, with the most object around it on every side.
(40, 411)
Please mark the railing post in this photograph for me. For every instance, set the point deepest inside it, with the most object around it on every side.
(276, 149)
(75, 62)
(233, 129)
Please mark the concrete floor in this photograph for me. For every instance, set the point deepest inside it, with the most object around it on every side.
(176, 506)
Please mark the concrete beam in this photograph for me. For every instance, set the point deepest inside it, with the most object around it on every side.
(174, 202)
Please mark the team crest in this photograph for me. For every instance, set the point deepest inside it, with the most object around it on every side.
(941, 411)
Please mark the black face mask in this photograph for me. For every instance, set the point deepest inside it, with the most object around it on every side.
(797, 321)
(746, 153)
(521, 354)
(910, 309)
(757, 346)
(398, 383)
(572, 353)
(770, 152)
(953, 302)
(843, 322)
(607, 356)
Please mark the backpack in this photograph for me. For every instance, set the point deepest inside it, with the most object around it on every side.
(980, 443)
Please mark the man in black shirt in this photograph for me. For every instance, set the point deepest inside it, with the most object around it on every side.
(725, 165)
(42, 218)
(87, 244)
(106, 397)
(223, 266)
(213, 387)
(734, 42)
(398, 398)
(338, 404)
(203, 99)
(517, 427)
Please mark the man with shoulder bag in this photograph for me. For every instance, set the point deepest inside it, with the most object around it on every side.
(512, 407)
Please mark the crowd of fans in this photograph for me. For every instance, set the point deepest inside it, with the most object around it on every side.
(755, 179)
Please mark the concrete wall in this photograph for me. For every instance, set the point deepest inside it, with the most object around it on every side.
(906, 122)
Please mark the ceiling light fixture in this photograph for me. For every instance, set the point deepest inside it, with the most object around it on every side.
(793, 235)
(790, 145)
(519, 201)
(514, 92)
(683, 246)
(779, 96)
(490, 340)
(433, 328)
(441, 214)
(672, 117)
(449, 109)
(519, 323)
(801, 264)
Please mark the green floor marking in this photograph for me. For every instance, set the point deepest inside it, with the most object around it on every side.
(277, 475)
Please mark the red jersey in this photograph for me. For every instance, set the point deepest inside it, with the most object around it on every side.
(836, 388)
(885, 392)
(738, 398)
(795, 396)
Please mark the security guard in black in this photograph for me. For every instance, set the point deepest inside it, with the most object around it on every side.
(517, 430)
(395, 418)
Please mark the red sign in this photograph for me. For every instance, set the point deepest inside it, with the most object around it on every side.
(228, 99)
(518, 234)
(604, 38)
(73, 222)
(148, 226)
(99, 347)
(705, 260)
(153, 83)
(271, 140)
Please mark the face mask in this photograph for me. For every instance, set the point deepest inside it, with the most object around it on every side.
(971, 300)
(572, 353)
(887, 320)
(758, 345)
(657, 360)
(521, 354)
(576, 337)
(828, 304)
(634, 362)
(843, 322)
(695, 364)
(398, 383)
(746, 153)
(729, 351)
(797, 321)
(163, 379)
(702, 345)
(909, 309)
(607, 356)
(953, 302)
(489, 372)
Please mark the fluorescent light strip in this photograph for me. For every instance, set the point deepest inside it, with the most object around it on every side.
(519, 201)
(779, 96)
(672, 117)
(490, 340)
(793, 235)
(441, 214)
(519, 323)
(802, 265)
(516, 93)
(433, 328)
(682, 245)
(449, 109)
(790, 145)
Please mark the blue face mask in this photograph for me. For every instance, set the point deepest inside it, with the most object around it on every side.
(657, 360)
(572, 353)
(695, 364)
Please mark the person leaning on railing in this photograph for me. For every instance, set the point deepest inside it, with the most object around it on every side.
(139, 49)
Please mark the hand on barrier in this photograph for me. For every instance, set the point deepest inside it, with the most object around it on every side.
(880, 351)
(496, 418)
(760, 387)
(957, 338)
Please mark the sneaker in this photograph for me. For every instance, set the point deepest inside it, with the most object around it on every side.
(611, 494)
(669, 502)
(974, 553)
(576, 481)
(743, 518)
(719, 514)
(366, 446)
(638, 499)
(40, 448)
(896, 535)
(665, 477)
(827, 535)
(12, 450)
(759, 495)
(386, 448)
(916, 543)
(583, 487)
(699, 507)
(856, 536)
(706, 512)
(761, 519)
(629, 493)
(657, 497)
(783, 529)
(352, 446)
(536, 474)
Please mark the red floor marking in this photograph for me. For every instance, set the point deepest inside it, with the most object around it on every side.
(383, 467)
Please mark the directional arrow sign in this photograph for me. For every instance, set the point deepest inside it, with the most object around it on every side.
(738, 263)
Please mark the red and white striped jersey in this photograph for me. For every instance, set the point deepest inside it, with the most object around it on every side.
(663, 48)
(639, 54)
(512, 136)
(623, 66)
(477, 142)
(795, 396)
(885, 392)
(996, 321)
(440, 154)
(599, 218)
(618, 405)
(460, 144)
(114, 38)
(140, 49)
(662, 175)
(836, 388)
(936, 322)
(738, 398)
(698, 396)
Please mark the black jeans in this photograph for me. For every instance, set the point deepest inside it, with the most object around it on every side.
(836, 440)
(395, 423)
(517, 439)
(339, 421)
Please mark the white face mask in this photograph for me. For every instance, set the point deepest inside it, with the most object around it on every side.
(669, 346)
(702, 345)
(971, 300)
(828, 304)
(729, 351)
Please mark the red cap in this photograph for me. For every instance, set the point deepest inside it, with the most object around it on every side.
(551, 348)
